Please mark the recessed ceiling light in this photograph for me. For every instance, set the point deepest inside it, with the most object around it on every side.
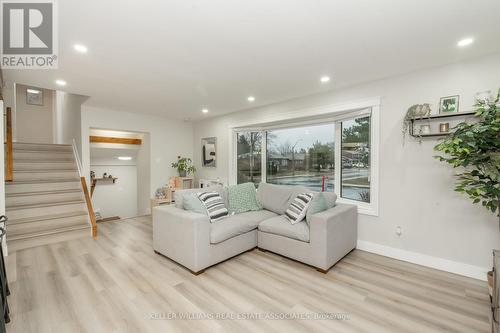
(61, 82)
(124, 158)
(204, 110)
(33, 91)
(325, 79)
(465, 42)
(80, 48)
(251, 99)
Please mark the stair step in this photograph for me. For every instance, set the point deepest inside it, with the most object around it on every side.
(48, 217)
(42, 155)
(46, 174)
(46, 225)
(41, 146)
(54, 236)
(34, 211)
(57, 203)
(42, 197)
(44, 165)
(50, 185)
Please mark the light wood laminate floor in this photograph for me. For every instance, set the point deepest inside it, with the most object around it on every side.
(118, 284)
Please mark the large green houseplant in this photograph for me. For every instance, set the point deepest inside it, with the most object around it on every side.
(474, 148)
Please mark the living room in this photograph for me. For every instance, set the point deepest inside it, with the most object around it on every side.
(302, 166)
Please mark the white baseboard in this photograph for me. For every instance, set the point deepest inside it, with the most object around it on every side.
(446, 265)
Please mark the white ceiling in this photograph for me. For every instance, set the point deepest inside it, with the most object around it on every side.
(175, 57)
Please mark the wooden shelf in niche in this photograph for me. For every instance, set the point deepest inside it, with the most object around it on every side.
(95, 180)
(433, 118)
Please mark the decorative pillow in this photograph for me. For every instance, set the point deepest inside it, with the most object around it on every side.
(321, 201)
(297, 210)
(214, 204)
(192, 203)
(243, 198)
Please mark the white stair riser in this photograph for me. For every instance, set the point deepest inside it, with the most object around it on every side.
(21, 188)
(35, 165)
(23, 176)
(15, 229)
(42, 147)
(20, 244)
(50, 156)
(40, 211)
(42, 198)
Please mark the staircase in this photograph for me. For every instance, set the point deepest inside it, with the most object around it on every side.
(44, 202)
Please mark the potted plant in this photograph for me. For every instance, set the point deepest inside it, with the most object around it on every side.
(474, 148)
(184, 166)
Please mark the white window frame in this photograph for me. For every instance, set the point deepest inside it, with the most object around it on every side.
(325, 114)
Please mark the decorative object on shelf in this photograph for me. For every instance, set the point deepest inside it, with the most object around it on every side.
(208, 152)
(182, 182)
(110, 176)
(483, 96)
(425, 129)
(184, 166)
(105, 175)
(474, 148)
(444, 127)
(92, 174)
(160, 193)
(417, 111)
(448, 104)
(34, 96)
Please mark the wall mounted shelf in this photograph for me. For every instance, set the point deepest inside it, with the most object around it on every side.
(95, 180)
(434, 117)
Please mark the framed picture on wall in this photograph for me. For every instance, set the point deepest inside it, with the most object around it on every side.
(34, 96)
(209, 152)
(448, 104)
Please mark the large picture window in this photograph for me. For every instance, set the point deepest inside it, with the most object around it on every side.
(301, 156)
(249, 154)
(355, 173)
(332, 154)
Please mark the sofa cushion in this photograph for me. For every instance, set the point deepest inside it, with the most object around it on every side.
(237, 224)
(321, 202)
(297, 210)
(242, 198)
(276, 198)
(279, 225)
(192, 203)
(214, 204)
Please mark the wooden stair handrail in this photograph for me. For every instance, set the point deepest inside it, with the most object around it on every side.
(93, 221)
(9, 155)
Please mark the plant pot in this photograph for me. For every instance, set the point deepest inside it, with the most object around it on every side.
(182, 173)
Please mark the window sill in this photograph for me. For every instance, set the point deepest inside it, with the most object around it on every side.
(363, 207)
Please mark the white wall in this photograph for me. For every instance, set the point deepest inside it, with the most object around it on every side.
(34, 123)
(416, 191)
(67, 118)
(168, 139)
(119, 198)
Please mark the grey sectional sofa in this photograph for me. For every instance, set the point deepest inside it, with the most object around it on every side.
(192, 241)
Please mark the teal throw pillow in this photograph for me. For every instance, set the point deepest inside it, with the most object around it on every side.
(243, 198)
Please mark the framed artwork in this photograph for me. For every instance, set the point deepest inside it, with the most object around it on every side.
(209, 152)
(34, 96)
(448, 104)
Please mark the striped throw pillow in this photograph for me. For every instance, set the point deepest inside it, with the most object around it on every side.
(214, 204)
(297, 210)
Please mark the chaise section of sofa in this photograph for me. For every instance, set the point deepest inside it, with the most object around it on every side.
(331, 235)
